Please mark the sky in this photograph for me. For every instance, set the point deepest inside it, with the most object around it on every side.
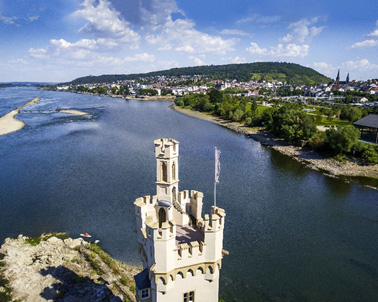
(60, 40)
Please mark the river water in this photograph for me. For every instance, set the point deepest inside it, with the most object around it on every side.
(293, 234)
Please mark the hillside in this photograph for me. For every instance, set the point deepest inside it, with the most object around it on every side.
(269, 71)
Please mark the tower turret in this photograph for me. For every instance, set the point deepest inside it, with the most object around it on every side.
(166, 153)
(181, 252)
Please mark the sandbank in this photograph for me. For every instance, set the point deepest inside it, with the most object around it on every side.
(8, 122)
(75, 112)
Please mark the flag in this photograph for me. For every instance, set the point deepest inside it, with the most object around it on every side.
(217, 164)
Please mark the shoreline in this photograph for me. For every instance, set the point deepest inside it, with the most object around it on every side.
(168, 98)
(309, 158)
(9, 123)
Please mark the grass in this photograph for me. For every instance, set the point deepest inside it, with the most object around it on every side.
(113, 265)
(325, 121)
(33, 241)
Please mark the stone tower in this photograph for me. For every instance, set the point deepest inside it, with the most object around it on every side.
(181, 251)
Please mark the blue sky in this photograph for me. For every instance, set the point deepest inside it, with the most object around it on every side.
(60, 40)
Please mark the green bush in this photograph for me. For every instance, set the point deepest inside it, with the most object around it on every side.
(342, 139)
(318, 141)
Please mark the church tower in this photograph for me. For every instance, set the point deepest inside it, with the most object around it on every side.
(181, 251)
(337, 81)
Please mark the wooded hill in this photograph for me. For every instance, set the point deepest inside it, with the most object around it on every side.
(268, 71)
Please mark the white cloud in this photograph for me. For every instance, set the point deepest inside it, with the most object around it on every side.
(186, 48)
(262, 20)
(33, 18)
(198, 61)
(238, 60)
(374, 33)
(360, 64)
(234, 32)
(364, 44)
(104, 21)
(325, 68)
(183, 34)
(81, 49)
(301, 31)
(140, 57)
(38, 53)
(290, 50)
(256, 50)
(7, 20)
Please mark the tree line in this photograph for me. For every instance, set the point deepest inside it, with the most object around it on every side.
(290, 122)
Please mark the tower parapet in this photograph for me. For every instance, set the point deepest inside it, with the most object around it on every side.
(181, 251)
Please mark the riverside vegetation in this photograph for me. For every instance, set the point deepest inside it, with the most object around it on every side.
(56, 267)
(292, 123)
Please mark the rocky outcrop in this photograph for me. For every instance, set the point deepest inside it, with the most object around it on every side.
(54, 267)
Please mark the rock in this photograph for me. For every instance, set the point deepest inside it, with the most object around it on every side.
(62, 269)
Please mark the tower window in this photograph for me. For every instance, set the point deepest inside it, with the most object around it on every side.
(174, 171)
(189, 297)
(164, 174)
(145, 293)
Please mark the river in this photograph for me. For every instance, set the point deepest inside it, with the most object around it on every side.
(293, 234)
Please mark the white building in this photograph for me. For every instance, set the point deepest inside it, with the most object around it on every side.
(181, 251)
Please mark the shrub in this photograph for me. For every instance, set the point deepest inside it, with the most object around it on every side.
(342, 139)
(318, 141)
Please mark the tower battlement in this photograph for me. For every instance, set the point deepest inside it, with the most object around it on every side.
(181, 250)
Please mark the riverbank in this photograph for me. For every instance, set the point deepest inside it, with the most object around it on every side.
(54, 266)
(304, 155)
(9, 123)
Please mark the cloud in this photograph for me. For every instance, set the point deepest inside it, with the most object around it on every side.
(234, 32)
(360, 64)
(325, 68)
(81, 49)
(257, 19)
(184, 36)
(186, 48)
(374, 33)
(32, 18)
(197, 61)
(365, 44)
(256, 50)
(290, 50)
(103, 21)
(7, 20)
(302, 31)
(238, 60)
(140, 57)
(149, 14)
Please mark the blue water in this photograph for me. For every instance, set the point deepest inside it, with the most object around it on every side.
(293, 233)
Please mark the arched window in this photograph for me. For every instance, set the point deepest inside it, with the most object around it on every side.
(162, 217)
(174, 193)
(164, 174)
(174, 177)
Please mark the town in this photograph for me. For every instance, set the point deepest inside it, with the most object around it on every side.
(354, 92)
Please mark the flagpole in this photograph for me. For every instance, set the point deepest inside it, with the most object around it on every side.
(216, 173)
(215, 178)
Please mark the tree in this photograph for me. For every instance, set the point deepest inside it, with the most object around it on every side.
(342, 139)
(254, 106)
(292, 124)
(215, 96)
